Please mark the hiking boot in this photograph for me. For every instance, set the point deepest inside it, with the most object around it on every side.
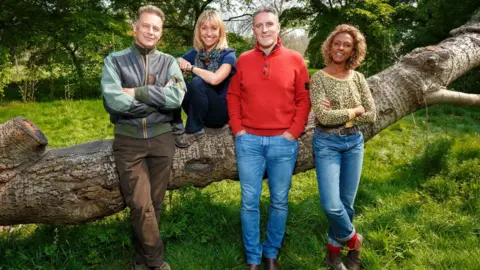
(188, 139)
(353, 259)
(177, 129)
(139, 266)
(165, 266)
(253, 267)
(353, 255)
(271, 264)
(333, 261)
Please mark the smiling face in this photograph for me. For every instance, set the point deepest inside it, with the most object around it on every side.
(266, 28)
(148, 30)
(342, 48)
(209, 33)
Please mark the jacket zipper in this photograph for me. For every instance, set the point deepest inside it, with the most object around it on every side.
(144, 120)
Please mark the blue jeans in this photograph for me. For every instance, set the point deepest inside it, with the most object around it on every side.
(205, 106)
(277, 156)
(338, 162)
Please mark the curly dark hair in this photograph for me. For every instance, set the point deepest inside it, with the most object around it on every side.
(360, 46)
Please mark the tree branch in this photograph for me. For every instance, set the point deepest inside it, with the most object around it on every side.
(445, 96)
(236, 17)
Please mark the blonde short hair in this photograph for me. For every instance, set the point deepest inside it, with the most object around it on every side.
(214, 17)
(359, 46)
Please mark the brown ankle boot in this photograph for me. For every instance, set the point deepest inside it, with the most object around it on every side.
(353, 259)
(271, 264)
(353, 255)
(333, 260)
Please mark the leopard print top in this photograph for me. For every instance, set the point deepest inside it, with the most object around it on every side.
(343, 94)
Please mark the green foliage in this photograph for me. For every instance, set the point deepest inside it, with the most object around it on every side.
(376, 20)
(239, 43)
(64, 122)
(417, 205)
(5, 69)
(71, 35)
(468, 83)
(431, 25)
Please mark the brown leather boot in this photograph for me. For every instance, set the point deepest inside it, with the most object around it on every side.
(353, 259)
(333, 261)
(353, 255)
(271, 264)
(253, 267)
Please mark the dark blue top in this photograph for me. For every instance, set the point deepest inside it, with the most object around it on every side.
(227, 56)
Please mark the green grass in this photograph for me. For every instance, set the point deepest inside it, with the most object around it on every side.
(64, 123)
(418, 204)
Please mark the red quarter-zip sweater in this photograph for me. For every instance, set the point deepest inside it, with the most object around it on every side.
(269, 93)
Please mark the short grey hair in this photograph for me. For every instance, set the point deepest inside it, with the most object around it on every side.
(265, 9)
(152, 10)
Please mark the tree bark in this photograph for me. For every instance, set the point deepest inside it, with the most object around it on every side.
(80, 183)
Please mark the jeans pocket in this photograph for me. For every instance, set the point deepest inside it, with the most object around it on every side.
(288, 139)
(239, 137)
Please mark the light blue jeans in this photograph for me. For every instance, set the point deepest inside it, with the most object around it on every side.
(338, 162)
(277, 156)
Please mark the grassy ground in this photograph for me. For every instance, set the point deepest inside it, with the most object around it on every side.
(418, 205)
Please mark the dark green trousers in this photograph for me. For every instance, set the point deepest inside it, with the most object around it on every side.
(144, 169)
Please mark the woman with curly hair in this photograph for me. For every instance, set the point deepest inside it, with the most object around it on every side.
(342, 102)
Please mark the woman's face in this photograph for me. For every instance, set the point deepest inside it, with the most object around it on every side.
(342, 48)
(209, 33)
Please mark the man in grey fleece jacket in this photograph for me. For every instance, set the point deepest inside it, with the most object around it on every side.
(141, 86)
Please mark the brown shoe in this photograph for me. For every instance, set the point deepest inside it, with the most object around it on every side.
(271, 264)
(187, 139)
(353, 259)
(353, 255)
(165, 266)
(253, 267)
(334, 261)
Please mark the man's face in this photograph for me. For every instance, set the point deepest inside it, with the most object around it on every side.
(148, 30)
(265, 29)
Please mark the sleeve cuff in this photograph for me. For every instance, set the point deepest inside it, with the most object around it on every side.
(351, 115)
(236, 128)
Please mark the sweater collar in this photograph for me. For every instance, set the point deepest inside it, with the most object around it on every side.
(142, 51)
(275, 48)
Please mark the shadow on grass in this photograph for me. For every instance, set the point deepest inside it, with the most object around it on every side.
(407, 176)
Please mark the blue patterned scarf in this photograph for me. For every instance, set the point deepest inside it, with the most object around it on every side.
(208, 60)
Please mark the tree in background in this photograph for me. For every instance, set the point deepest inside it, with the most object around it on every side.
(5, 69)
(377, 19)
(69, 39)
(432, 21)
(72, 34)
(66, 40)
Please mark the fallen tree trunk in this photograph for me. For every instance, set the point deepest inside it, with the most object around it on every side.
(80, 183)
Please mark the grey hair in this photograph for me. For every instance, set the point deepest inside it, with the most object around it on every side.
(265, 9)
(152, 10)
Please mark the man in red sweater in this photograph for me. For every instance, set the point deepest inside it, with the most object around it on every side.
(268, 104)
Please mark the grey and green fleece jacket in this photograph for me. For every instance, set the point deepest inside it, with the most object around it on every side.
(159, 88)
